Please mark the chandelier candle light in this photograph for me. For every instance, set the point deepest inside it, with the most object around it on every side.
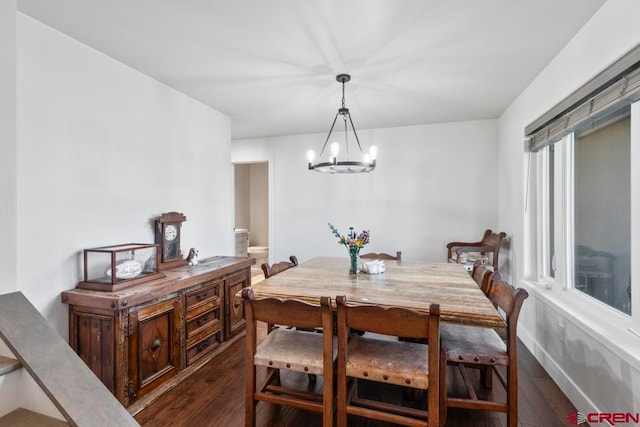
(353, 242)
(332, 164)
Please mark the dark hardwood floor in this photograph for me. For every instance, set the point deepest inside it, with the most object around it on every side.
(214, 396)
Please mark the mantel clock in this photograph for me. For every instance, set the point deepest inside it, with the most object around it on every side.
(167, 232)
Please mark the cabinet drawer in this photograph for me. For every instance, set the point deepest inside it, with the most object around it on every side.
(206, 294)
(203, 321)
(204, 332)
(202, 347)
(203, 308)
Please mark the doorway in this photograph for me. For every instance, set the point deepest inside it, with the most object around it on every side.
(252, 212)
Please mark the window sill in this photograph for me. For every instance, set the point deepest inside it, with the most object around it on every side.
(603, 324)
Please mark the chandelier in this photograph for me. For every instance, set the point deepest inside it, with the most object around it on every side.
(331, 164)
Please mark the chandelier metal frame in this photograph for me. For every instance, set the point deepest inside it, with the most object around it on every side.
(333, 165)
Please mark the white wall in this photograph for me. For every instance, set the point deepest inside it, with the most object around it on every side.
(595, 374)
(103, 149)
(433, 184)
(8, 146)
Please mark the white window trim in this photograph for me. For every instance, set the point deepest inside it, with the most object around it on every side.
(635, 218)
(565, 199)
(542, 221)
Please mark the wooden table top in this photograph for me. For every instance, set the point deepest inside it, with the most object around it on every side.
(412, 284)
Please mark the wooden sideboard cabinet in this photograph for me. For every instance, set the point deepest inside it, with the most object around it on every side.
(144, 339)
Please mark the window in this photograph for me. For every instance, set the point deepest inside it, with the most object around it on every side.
(602, 206)
(583, 235)
(585, 211)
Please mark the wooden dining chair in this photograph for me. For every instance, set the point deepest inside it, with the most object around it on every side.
(490, 244)
(406, 364)
(472, 347)
(278, 267)
(289, 349)
(383, 256)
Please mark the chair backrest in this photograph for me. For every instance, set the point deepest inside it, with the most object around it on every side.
(490, 243)
(509, 300)
(287, 312)
(483, 275)
(395, 321)
(493, 240)
(278, 267)
(383, 255)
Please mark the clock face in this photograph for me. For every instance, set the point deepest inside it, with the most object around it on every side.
(170, 232)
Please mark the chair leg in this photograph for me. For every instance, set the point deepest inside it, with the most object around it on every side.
(250, 403)
(276, 376)
(512, 395)
(342, 403)
(487, 376)
(327, 400)
(443, 388)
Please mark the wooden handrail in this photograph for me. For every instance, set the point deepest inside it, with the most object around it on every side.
(76, 392)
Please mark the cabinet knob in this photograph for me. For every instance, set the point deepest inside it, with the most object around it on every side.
(204, 344)
(155, 344)
(201, 321)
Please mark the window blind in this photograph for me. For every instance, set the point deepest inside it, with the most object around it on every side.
(611, 90)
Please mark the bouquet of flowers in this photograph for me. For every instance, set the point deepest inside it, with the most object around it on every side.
(353, 242)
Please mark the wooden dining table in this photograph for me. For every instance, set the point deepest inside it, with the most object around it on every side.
(410, 284)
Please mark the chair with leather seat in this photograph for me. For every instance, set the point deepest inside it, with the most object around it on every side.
(473, 347)
(489, 244)
(278, 267)
(289, 350)
(406, 364)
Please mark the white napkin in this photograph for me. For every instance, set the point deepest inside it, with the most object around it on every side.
(373, 267)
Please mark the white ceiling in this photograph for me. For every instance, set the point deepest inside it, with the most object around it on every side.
(271, 64)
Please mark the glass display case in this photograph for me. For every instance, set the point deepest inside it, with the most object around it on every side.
(110, 268)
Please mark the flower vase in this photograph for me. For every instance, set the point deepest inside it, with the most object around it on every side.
(354, 258)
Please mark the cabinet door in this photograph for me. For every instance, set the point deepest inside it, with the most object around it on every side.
(92, 336)
(154, 346)
(234, 310)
